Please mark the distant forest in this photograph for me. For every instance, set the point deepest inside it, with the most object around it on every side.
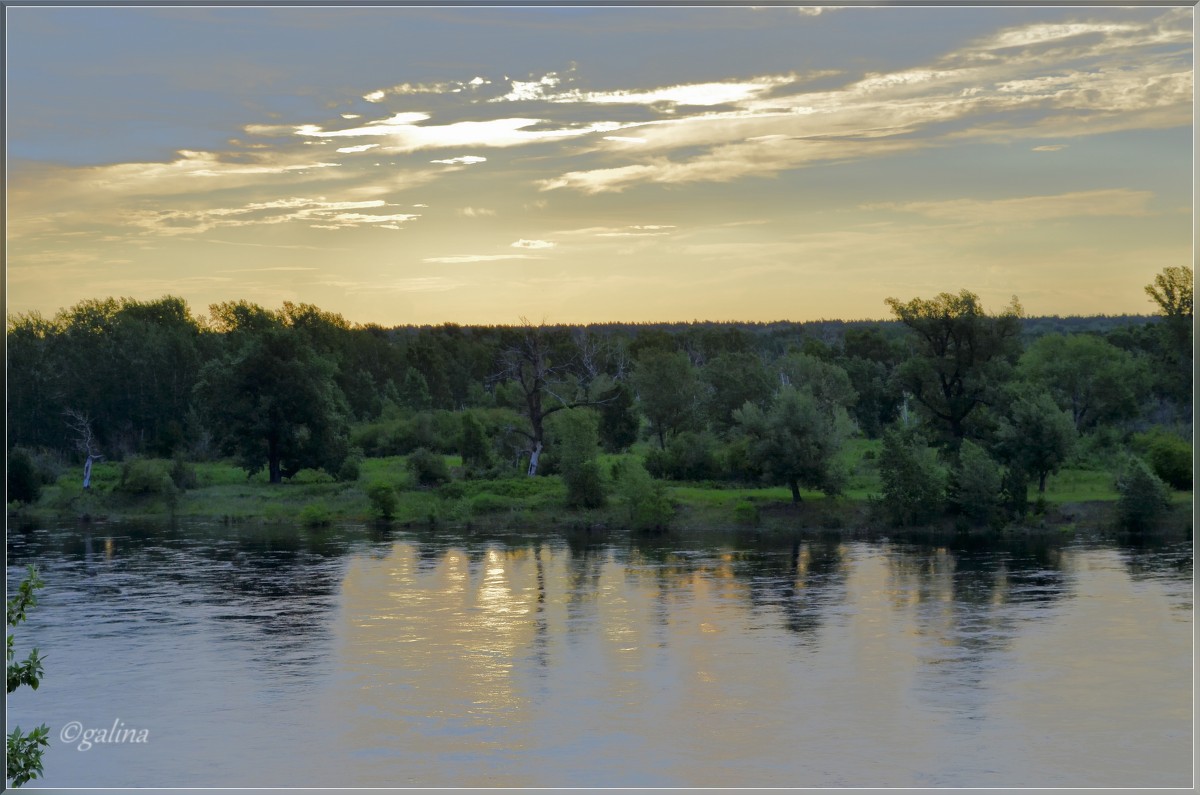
(298, 387)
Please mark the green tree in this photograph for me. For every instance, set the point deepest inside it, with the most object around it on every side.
(1143, 499)
(272, 400)
(575, 442)
(732, 380)
(1088, 376)
(976, 483)
(24, 757)
(475, 450)
(829, 383)
(668, 390)
(23, 482)
(961, 357)
(1172, 291)
(797, 442)
(643, 499)
(914, 483)
(1036, 436)
(619, 419)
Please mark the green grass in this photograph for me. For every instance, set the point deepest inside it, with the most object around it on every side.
(226, 494)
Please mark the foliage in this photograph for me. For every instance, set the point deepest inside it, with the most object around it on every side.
(474, 449)
(912, 480)
(315, 514)
(183, 475)
(24, 757)
(668, 392)
(732, 380)
(961, 357)
(690, 455)
(23, 482)
(383, 499)
(428, 467)
(146, 476)
(619, 419)
(1036, 437)
(273, 398)
(351, 467)
(575, 441)
(643, 500)
(797, 442)
(1169, 456)
(975, 487)
(1088, 376)
(1144, 498)
(1172, 291)
(829, 383)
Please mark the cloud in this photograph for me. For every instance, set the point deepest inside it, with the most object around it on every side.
(374, 96)
(465, 258)
(533, 244)
(360, 148)
(1117, 201)
(475, 212)
(317, 213)
(465, 160)
(1050, 148)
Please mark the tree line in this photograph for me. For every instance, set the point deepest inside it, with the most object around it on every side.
(301, 388)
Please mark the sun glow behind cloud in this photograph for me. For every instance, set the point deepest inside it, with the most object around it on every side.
(671, 187)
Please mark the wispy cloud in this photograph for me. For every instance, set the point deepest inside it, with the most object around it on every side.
(465, 160)
(533, 244)
(316, 213)
(459, 259)
(1118, 201)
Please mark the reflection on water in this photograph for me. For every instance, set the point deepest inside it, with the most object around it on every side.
(365, 658)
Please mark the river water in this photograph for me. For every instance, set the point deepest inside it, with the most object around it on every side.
(279, 656)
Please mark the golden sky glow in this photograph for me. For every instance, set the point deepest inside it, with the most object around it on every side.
(405, 165)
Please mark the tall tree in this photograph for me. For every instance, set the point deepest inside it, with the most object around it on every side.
(961, 356)
(271, 399)
(1088, 376)
(668, 390)
(1037, 436)
(797, 442)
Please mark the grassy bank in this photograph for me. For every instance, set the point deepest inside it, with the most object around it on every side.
(221, 492)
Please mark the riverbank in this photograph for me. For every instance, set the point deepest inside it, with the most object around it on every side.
(220, 492)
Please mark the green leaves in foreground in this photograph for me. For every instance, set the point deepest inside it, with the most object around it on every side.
(24, 750)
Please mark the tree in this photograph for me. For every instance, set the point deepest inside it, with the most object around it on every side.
(271, 400)
(619, 419)
(474, 448)
(1088, 376)
(668, 390)
(961, 357)
(733, 379)
(829, 383)
(1036, 436)
(576, 445)
(1143, 499)
(24, 757)
(1172, 291)
(797, 442)
(976, 484)
(914, 484)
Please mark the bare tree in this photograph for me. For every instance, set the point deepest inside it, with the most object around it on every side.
(80, 424)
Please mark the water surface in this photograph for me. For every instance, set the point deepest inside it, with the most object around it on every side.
(358, 657)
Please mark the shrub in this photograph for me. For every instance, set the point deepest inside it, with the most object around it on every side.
(315, 514)
(23, 484)
(1144, 498)
(490, 503)
(383, 499)
(476, 454)
(643, 499)
(183, 474)
(1168, 455)
(428, 467)
(145, 476)
(575, 441)
(975, 484)
(746, 512)
(913, 480)
(351, 468)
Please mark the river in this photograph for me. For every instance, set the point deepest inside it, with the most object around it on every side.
(281, 656)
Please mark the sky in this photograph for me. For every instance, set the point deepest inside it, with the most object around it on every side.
(597, 164)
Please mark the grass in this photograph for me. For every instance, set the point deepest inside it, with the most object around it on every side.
(314, 499)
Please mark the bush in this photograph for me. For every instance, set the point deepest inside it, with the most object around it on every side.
(975, 484)
(689, 455)
(490, 503)
(475, 451)
(746, 512)
(574, 443)
(1144, 498)
(383, 499)
(315, 514)
(145, 476)
(23, 483)
(913, 480)
(351, 468)
(428, 467)
(183, 474)
(643, 499)
(1168, 455)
